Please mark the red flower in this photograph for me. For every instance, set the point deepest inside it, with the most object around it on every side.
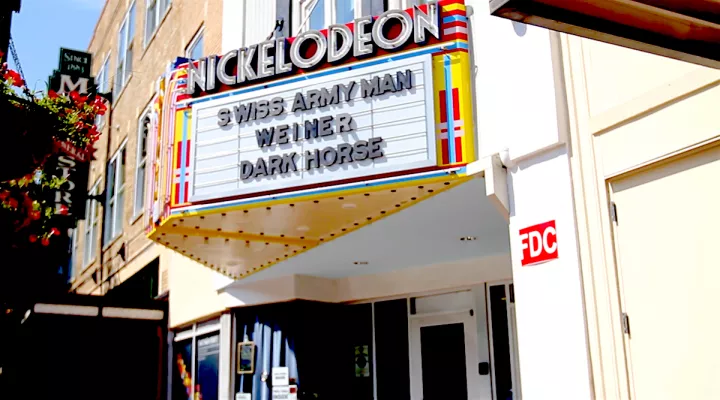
(13, 203)
(14, 78)
(35, 215)
(52, 94)
(45, 241)
(32, 238)
(54, 231)
(77, 98)
(63, 210)
(99, 106)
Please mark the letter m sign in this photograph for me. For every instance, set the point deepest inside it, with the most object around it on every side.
(67, 85)
(538, 243)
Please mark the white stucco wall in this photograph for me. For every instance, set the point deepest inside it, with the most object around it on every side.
(632, 112)
(521, 110)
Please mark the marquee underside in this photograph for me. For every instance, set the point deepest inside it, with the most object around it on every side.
(246, 239)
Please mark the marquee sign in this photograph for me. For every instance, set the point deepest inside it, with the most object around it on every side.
(375, 114)
(338, 127)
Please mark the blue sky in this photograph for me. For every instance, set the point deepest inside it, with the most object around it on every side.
(43, 26)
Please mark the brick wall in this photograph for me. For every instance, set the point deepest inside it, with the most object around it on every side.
(179, 26)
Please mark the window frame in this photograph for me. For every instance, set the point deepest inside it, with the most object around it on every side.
(91, 227)
(200, 34)
(127, 26)
(330, 13)
(159, 18)
(139, 209)
(410, 3)
(111, 201)
(102, 78)
(74, 270)
(192, 333)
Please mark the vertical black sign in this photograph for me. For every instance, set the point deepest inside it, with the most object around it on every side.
(75, 63)
(70, 198)
(73, 73)
(71, 165)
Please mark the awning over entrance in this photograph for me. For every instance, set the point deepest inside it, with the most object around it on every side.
(244, 239)
(457, 226)
(687, 30)
(311, 137)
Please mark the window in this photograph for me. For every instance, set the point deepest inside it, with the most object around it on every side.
(103, 83)
(195, 49)
(141, 163)
(154, 14)
(115, 195)
(344, 11)
(92, 216)
(317, 15)
(125, 49)
(325, 12)
(72, 270)
(196, 362)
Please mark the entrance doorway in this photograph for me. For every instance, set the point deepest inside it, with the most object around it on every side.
(444, 357)
(463, 345)
(503, 341)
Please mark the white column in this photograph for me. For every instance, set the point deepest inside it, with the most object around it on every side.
(521, 114)
(554, 361)
(225, 369)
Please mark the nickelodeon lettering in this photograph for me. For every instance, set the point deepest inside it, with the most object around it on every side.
(270, 58)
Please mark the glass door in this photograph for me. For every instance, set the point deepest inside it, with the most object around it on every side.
(444, 357)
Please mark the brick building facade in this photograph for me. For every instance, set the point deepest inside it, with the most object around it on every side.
(132, 45)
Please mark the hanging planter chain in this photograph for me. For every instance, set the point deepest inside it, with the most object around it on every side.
(16, 59)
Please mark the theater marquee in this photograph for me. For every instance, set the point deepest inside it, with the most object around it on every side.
(331, 128)
(268, 151)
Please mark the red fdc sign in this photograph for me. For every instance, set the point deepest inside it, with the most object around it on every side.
(539, 243)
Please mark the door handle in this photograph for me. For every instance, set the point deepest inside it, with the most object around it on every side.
(484, 368)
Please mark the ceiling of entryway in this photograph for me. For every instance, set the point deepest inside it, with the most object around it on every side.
(458, 224)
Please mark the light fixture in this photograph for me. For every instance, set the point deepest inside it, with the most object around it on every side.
(360, 262)
(303, 228)
(687, 30)
(349, 205)
(468, 238)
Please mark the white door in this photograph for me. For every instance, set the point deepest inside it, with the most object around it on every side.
(667, 240)
(444, 357)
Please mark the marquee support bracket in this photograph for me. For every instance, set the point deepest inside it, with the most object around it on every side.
(496, 187)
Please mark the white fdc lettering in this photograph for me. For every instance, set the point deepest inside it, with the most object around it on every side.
(535, 244)
(553, 247)
(524, 242)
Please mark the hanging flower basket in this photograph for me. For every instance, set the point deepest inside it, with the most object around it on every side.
(35, 127)
(28, 138)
